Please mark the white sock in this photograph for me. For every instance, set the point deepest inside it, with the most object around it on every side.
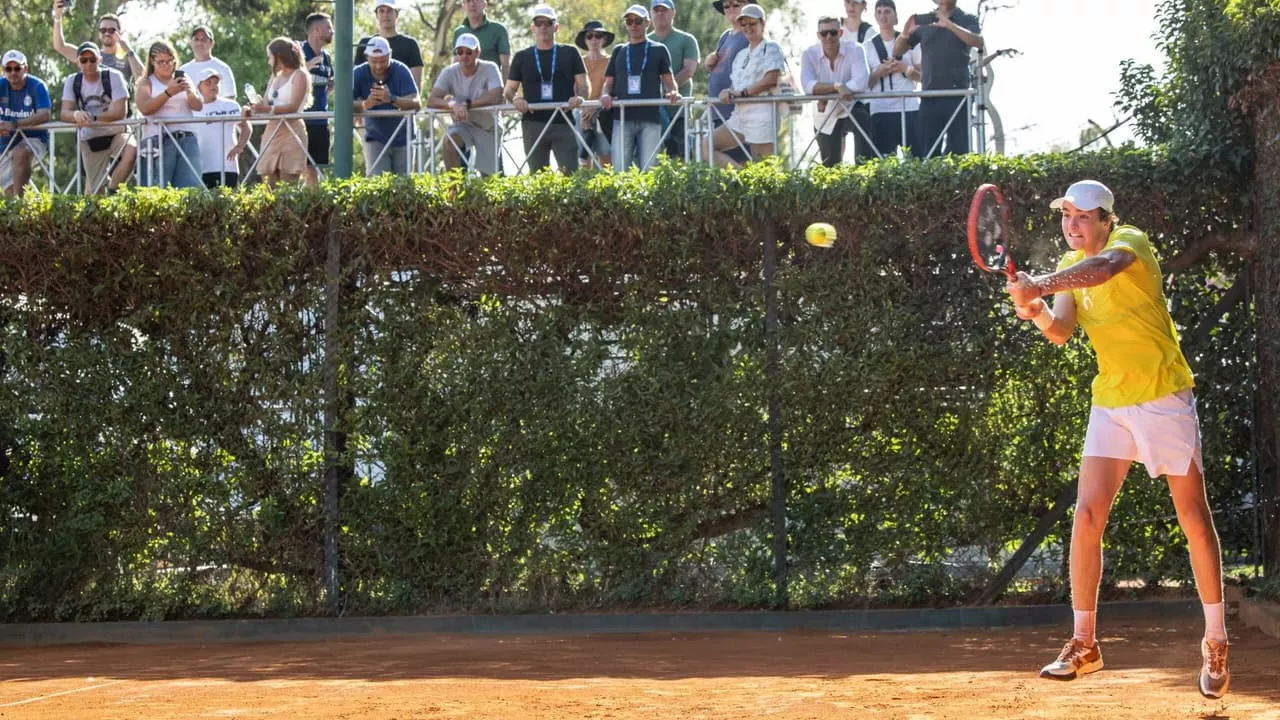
(1085, 622)
(1215, 621)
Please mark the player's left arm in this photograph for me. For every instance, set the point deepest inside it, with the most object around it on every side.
(1087, 273)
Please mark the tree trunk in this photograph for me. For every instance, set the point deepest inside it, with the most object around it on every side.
(1266, 131)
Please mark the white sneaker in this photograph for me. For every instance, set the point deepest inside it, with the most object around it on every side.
(1076, 659)
(1215, 678)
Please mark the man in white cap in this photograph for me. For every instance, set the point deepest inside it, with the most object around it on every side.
(463, 89)
(93, 98)
(382, 83)
(638, 70)
(202, 49)
(546, 73)
(24, 105)
(220, 142)
(1109, 283)
(405, 48)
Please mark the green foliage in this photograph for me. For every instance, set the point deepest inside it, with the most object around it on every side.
(1213, 48)
(556, 390)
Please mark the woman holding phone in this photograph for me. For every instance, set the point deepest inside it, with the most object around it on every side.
(170, 152)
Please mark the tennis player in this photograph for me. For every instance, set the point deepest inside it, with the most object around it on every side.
(1143, 409)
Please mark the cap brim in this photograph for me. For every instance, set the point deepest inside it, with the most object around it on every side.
(1057, 204)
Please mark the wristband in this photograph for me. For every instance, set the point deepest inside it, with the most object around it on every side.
(468, 103)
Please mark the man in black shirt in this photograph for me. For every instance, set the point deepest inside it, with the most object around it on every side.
(546, 73)
(945, 43)
(639, 69)
(403, 47)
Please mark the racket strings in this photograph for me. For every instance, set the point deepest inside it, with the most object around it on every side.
(991, 240)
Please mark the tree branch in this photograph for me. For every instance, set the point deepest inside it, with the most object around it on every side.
(1237, 242)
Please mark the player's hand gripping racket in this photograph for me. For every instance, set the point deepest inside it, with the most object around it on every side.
(989, 232)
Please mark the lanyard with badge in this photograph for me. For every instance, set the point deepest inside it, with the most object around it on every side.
(633, 81)
(547, 94)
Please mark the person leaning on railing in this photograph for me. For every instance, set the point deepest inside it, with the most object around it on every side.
(170, 152)
(945, 36)
(24, 105)
(596, 124)
(547, 72)
(382, 83)
(94, 99)
(464, 88)
(640, 69)
(756, 71)
(832, 67)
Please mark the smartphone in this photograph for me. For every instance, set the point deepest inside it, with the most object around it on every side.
(66, 4)
(925, 18)
(179, 74)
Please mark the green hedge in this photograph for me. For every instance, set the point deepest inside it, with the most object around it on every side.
(555, 390)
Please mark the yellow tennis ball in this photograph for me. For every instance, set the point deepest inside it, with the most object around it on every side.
(820, 234)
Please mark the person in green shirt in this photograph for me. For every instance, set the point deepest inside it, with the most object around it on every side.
(1109, 283)
(495, 45)
(685, 55)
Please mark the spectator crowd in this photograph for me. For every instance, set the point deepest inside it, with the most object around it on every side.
(863, 67)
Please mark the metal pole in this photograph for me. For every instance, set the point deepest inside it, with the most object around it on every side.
(334, 439)
(343, 54)
(774, 421)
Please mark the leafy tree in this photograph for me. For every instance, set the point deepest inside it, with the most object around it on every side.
(1218, 99)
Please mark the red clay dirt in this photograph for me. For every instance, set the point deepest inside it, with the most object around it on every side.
(655, 676)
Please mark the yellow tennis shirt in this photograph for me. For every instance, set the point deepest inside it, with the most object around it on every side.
(1128, 324)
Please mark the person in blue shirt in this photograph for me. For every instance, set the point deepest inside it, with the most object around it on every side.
(24, 105)
(385, 84)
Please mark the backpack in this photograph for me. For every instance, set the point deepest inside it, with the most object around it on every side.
(882, 51)
(77, 89)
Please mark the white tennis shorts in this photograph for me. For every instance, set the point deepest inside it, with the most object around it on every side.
(1162, 434)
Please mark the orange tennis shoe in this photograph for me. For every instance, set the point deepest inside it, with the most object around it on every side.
(1076, 659)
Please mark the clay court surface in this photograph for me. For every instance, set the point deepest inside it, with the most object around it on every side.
(655, 676)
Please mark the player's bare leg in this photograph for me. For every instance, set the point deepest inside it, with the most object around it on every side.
(1196, 519)
(1100, 480)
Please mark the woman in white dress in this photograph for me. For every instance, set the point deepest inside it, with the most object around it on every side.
(756, 70)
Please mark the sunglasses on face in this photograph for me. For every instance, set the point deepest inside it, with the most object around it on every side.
(595, 36)
(748, 23)
(89, 60)
(828, 33)
(13, 68)
(542, 22)
(635, 21)
(108, 30)
(463, 51)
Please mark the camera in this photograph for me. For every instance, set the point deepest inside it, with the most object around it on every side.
(179, 74)
(925, 18)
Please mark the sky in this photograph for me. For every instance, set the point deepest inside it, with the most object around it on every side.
(1041, 105)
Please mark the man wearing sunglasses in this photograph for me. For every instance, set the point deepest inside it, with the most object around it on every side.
(833, 67)
(116, 53)
(547, 73)
(24, 104)
(639, 70)
(495, 43)
(92, 105)
(463, 89)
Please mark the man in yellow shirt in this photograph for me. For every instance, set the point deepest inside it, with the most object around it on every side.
(1143, 409)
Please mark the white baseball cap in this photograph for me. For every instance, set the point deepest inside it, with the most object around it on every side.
(468, 41)
(377, 47)
(1087, 195)
(207, 73)
(14, 56)
(545, 11)
(639, 11)
(389, 3)
(752, 11)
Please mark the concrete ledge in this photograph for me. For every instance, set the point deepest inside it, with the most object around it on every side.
(312, 629)
(1262, 615)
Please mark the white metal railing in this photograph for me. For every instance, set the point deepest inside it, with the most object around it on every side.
(427, 132)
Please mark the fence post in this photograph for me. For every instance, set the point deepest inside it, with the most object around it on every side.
(774, 420)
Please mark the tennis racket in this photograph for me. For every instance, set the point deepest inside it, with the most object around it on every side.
(989, 238)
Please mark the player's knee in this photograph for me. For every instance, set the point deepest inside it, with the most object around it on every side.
(1090, 520)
